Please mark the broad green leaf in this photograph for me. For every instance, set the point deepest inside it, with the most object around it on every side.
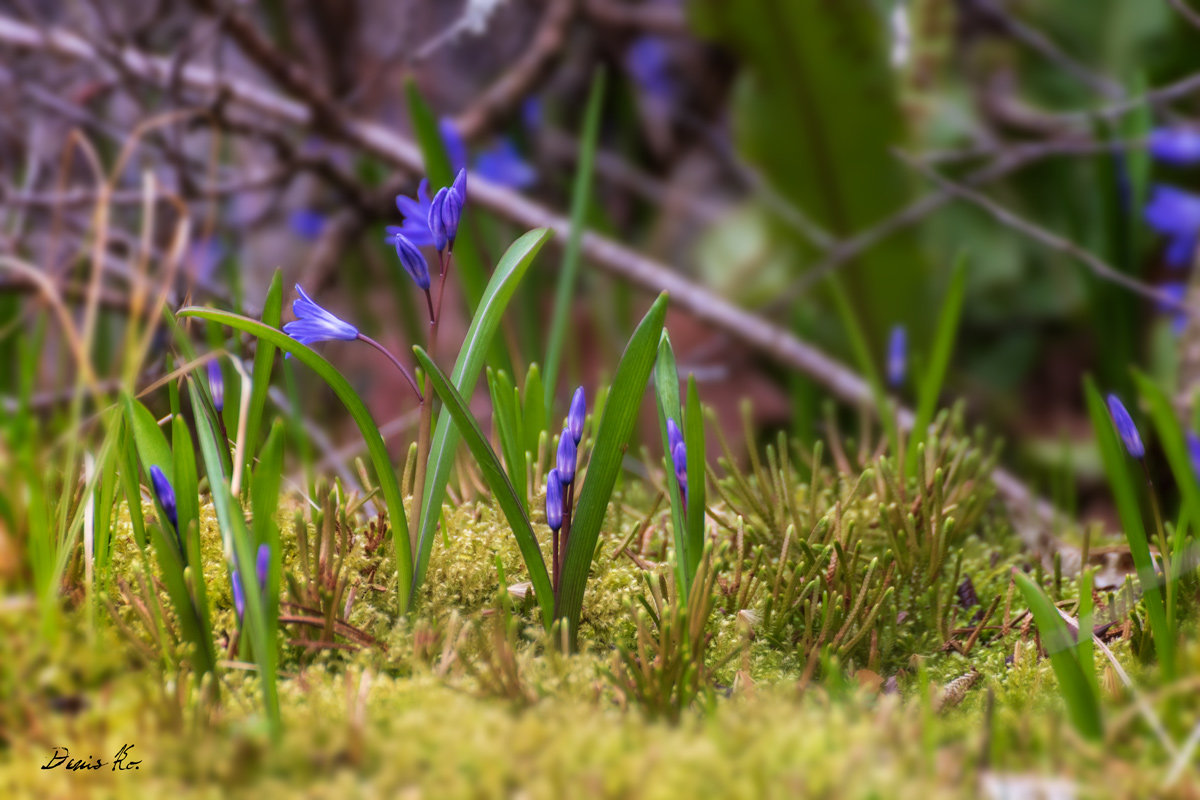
(507, 421)
(507, 276)
(502, 488)
(617, 421)
(149, 439)
(581, 196)
(260, 378)
(693, 436)
(1083, 707)
(384, 472)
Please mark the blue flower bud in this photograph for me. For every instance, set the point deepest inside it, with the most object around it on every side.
(1125, 427)
(679, 461)
(897, 359)
(166, 495)
(315, 324)
(262, 564)
(216, 384)
(566, 457)
(577, 415)
(436, 221)
(239, 595)
(674, 436)
(413, 260)
(452, 208)
(554, 500)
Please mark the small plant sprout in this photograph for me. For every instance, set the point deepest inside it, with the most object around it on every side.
(1125, 427)
(897, 356)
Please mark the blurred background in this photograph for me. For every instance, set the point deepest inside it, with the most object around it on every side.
(750, 151)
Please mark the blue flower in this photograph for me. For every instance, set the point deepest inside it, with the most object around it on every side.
(674, 436)
(315, 324)
(239, 595)
(308, 223)
(649, 62)
(897, 358)
(577, 415)
(216, 384)
(1175, 214)
(437, 222)
(1193, 448)
(452, 140)
(565, 462)
(554, 500)
(503, 165)
(262, 564)
(412, 259)
(1175, 291)
(679, 461)
(416, 217)
(166, 495)
(1125, 427)
(1178, 146)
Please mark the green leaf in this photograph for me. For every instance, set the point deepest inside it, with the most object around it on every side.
(1083, 707)
(866, 362)
(693, 436)
(507, 421)
(533, 420)
(580, 198)
(264, 360)
(611, 441)
(187, 494)
(149, 439)
(666, 394)
(384, 472)
(233, 528)
(939, 361)
(497, 480)
(1125, 495)
(509, 272)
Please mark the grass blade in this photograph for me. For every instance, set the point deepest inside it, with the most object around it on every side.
(693, 436)
(666, 394)
(264, 360)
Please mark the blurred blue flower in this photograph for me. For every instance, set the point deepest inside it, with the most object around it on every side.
(308, 223)
(216, 384)
(554, 500)
(1175, 291)
(577, 415)
(1175, 214)
(166, 495)
(503, 164)
(315, 324)
(412, 259)
(565, 463)
(262, 564)
(239, 595)
(1193, 448)
(1125, 427)
(1178, 146)
(531, 113)
(649, 62)
(897, 356)
(452, 140)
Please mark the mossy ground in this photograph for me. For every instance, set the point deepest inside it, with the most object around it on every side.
(469, 699)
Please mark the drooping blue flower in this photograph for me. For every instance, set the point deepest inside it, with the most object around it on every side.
(262, 565)
(1179, 146)
(315, 324)
(1175, 291)
(216, 384)
(452, 140)
(412, 259)
(308, 223)
(1193, 448)
(577, 415)
(1125, 427)
(416, 217)
(1175, 214)
(502, 164)
(649, 62)
(554, 500)
(565, 462)
(166, 495)
(239, 595)
(897, 356)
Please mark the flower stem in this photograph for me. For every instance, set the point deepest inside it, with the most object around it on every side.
(395, 362)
